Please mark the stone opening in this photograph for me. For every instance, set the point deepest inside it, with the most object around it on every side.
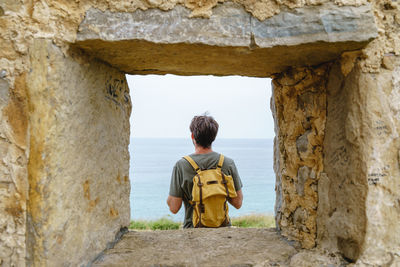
(106, 49)
(162, 109)
(64, 101)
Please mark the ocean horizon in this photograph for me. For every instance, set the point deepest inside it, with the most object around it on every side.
(152, 161)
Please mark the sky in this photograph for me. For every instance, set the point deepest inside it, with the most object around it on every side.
(163, 105)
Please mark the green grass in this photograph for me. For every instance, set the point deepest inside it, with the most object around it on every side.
(165, 223)
(254, 221)
(161, 224)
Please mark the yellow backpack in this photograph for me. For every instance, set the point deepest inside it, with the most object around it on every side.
(211, 190)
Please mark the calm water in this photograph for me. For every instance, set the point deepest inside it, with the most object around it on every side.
(152, 161)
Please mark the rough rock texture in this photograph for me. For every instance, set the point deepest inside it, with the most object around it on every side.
(230, 247)
(78, 159)
(387, 18)
(231, 41)
(299, 109)
(359, 207)
(343, 186)
(359, 192)
(13, 171)
(24, 21)
(200, 247)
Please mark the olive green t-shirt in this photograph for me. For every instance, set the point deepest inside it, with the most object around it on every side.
(183, 173)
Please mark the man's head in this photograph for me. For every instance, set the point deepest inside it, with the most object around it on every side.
(204, 130)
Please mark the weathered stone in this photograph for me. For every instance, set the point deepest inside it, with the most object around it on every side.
(314, 258)
(299, 99)
(359, 194)
(323, 23)
(363, 199)
(79, 158)
(388, 62)
(228, 26)
(3, 92)
(302, 142)
(167, 40)
(346, 192)
(232, 247)
(302, 176)
(3, 74)
(13, 171)
(299, 218)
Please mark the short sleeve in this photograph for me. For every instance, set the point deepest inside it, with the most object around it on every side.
(235, 175)
(175, 189)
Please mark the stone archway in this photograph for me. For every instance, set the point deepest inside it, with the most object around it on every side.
(336, 151)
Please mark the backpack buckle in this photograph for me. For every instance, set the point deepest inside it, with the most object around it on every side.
(202, 208)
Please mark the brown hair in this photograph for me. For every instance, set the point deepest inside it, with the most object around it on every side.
(204, 129)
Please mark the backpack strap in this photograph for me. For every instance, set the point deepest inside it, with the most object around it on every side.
(220, 162)
(225, 183)
(193, 163)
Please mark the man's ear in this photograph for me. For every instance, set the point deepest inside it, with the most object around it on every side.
(193, 141)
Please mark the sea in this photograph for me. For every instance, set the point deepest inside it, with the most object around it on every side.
(153, 159)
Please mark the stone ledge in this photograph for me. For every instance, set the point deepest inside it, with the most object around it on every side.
(156, 41)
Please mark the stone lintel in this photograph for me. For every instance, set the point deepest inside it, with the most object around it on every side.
(230, 42)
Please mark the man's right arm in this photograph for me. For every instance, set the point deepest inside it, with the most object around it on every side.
(174, 204)
(174, 200)
(237, 201)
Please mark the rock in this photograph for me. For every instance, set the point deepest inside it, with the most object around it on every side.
(322, 23)
(3, 92)
(3, 74)
(299, 110)
(79, 158)
(302, 142)
(316, 258)
(388, 62)
(64, 195)
(228, 26)
(173, 42)
(360, 162)
(230, 247)
(302, 176)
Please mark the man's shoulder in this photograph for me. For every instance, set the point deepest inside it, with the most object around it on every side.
(181, 162)
(228, 161)
(211, 158)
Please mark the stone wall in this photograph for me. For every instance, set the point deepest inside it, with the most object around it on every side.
(299, 110)
(230, 42)
(359, 197)
(13, 170)
(78, 159)
(357, 192)
(343, 186)
(43, 130)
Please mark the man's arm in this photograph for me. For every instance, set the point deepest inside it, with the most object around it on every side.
(174, 204)
(236, 201)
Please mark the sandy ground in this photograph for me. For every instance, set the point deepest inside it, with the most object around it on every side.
(233, 247)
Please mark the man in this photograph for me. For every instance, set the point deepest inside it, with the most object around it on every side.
(203, 132)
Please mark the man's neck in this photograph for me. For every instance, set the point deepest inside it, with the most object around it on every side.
(202, 150)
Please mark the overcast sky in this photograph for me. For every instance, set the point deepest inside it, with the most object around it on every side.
(163, 105)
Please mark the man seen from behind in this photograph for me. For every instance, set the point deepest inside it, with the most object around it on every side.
(205, 180)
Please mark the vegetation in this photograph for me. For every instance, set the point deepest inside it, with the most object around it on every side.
(254, 221)
(166, 223)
